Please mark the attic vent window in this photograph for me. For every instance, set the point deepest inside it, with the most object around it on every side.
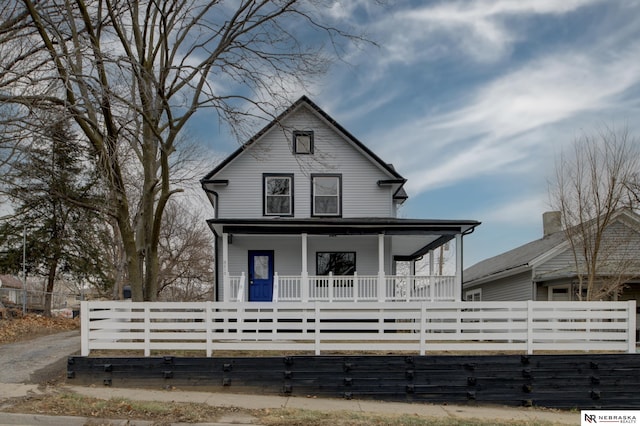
(303, 142)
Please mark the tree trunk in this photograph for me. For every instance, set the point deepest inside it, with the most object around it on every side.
(48, 292)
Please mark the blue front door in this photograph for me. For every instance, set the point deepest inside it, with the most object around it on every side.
(260, 275)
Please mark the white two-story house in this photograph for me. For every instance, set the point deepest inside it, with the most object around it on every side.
(304, 211)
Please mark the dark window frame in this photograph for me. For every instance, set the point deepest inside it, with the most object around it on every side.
(313, 195)
(289, 176)
(297, 133)
(319, 253)
(343, 283)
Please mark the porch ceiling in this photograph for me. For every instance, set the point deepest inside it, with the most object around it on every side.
(413, 237)
(342, 226)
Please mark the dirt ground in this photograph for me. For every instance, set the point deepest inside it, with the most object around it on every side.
(31, 326)
(22, 361)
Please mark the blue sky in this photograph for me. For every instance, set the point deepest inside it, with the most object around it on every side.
(472, 100)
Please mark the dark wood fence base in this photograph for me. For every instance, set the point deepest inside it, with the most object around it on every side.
(555, 381)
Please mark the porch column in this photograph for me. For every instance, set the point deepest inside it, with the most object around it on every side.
(304, 279)
(226, 290)
(431, 260)
(458, 286)
(381, 279)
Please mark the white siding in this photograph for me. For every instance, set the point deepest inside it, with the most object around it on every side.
(620, 247)
(517, 287)
(361, 196)
(560, 262)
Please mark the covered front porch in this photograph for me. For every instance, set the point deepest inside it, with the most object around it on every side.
(338, 259)
(352, 288)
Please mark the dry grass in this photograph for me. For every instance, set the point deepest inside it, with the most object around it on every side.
(69, 404)
(30, 326)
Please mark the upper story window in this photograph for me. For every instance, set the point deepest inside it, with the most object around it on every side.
(278, 195)
(303, 142)
(326, 198)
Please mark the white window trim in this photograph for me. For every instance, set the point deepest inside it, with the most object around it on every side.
(556, 287)
(338, 213)
(470, 295)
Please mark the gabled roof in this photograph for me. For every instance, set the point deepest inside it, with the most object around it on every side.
(526, 256)
(9, 281)
(514, 260)
(306, 101)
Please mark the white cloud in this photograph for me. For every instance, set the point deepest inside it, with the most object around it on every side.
(510, 116)
(480, 29)
(516, 212)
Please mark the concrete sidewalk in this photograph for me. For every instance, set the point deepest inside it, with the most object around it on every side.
(250, 401)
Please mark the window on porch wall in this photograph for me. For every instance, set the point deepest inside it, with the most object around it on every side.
(337, 264)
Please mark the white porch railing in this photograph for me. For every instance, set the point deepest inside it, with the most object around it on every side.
(318, 327)
(355, 288)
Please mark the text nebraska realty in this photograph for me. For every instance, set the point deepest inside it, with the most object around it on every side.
(610, 418)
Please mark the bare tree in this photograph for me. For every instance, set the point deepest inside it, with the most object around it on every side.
(132, 73)
(589, 191)
(186, 255)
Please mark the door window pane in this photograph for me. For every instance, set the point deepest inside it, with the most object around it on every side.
(261, 268)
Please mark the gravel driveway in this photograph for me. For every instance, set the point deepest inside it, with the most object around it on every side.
(37, 360)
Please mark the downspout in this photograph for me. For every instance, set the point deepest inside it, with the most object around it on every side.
(467, 232)
(214, 204)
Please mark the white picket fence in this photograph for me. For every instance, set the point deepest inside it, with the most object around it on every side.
(418, 327)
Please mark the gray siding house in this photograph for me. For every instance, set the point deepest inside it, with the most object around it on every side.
(545, 269)
(304, 211)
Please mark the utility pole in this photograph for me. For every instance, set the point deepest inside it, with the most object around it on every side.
(24, 270)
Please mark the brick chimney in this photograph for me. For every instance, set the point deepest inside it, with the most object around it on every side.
(551, 222)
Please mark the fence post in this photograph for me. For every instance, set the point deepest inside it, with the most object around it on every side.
(317, 327)
(631, 324)
(423, 327)
(84, 329)
(208, 306)
(529, 327)
(147, 331)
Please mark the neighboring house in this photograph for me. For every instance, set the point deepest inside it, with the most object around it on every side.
(305, 211)
(545, 269)
(10, 289)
